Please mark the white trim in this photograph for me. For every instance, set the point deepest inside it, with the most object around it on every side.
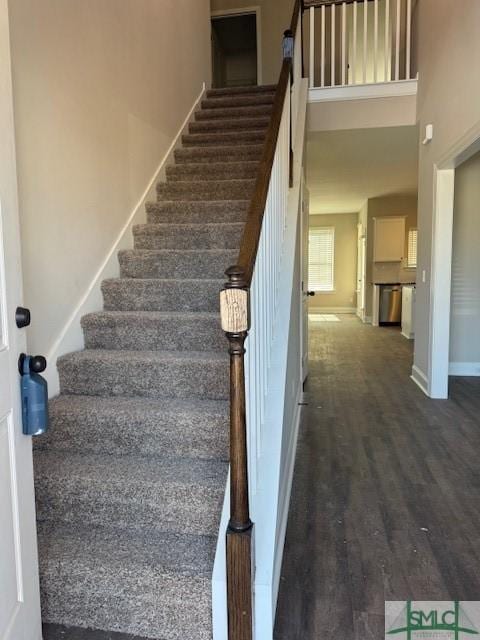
(70, 337)
(246, 11)
(420, 379)
(286, 490)
(467, 369)
(367, 320)
(340, 310)
(441, 259)
(364, 91)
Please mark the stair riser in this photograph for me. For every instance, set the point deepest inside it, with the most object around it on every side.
(213, 172)
(168, 335)
(184, 434)
(159, 295)
(175, 265)
(208, 212)
(236, 91)
(236, 124)
(163, 379)
(262, 111)
(195, 191)
(219, 139)
(213, 237)
(238, 101)
(205, 154)
(85, 500)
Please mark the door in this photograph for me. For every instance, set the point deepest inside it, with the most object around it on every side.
(304, 275)
(19, 591)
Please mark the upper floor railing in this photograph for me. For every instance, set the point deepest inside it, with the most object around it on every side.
(354, 42)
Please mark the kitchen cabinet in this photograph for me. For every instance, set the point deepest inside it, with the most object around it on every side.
(389, 239)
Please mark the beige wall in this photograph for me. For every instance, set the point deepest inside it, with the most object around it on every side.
(447, 53)
(399, 205)
(345, 265)
(101, 88)
(465, 303)
(276, 16)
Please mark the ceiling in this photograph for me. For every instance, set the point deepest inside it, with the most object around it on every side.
(346, 168)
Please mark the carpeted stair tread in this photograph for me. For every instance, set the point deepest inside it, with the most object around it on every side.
(156, 587)
(246, 100)
(259, 111)
(224, 153)
(254, 136)
(170, 263)
(153, 374)
(213, 235)
(156, 494)
(213, 171)
(206, 190)
(136, 458)
(154, 294)
(151, 330)
(207, 211)
(138, 426)
(231, 124)
(236, 91)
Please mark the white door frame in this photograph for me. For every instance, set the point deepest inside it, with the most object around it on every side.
(441, 260)
(247, 11)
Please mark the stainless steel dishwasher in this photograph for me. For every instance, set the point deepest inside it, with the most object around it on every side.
(390, 305)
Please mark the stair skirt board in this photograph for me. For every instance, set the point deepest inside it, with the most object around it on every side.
(130, 480)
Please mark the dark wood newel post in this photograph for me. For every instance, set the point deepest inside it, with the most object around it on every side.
(235, 323)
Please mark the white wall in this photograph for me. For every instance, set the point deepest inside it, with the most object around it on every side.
(465, 303)
(447, 52)
(101, 88)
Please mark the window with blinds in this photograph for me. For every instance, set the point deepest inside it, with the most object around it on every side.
(412, 248)
(321, 259)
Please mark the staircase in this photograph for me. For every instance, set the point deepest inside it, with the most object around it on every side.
(131, 478)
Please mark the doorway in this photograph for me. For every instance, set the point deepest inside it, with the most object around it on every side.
(437, 382)
(236, 48)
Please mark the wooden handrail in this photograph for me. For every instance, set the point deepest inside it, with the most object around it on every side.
(253, 224)
(234, 307)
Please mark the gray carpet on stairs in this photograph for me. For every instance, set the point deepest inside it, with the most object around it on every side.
(130, 478)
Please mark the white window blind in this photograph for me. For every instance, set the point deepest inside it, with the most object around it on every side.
(412, 248)
(321, 258)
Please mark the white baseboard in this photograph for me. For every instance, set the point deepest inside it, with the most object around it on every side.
(332, 310)
(408, 336)
(420, 379)
(70, 337)
(467, 369)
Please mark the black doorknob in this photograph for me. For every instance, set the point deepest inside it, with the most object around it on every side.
(310, 293)
(37, 364)
(22, 317)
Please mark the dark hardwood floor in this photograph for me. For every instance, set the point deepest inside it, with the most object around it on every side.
(385, 494)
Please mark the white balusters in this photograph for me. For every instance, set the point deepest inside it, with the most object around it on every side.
(344, 43)
(365, 41)
(311, 68)
(397, 40)
(408, 70)
(333, 50)
(264, 296)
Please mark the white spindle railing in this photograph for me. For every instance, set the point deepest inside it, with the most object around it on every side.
(264, 296)
(360, 42)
